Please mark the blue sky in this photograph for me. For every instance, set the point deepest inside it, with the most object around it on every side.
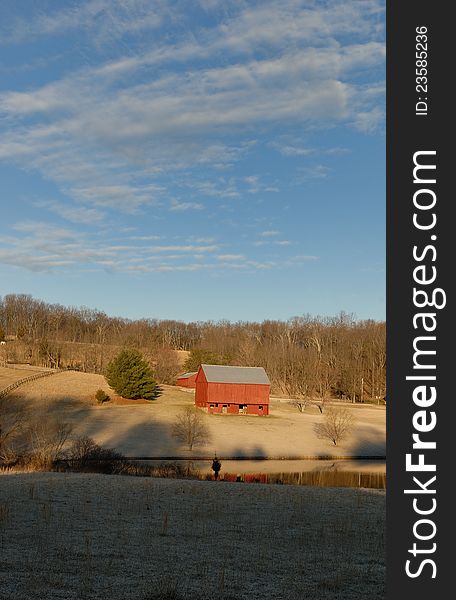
(212, 159)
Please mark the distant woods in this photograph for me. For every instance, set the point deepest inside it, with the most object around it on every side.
(304, 357)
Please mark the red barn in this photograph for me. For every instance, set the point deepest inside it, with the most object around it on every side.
(234, 390)
(187, 380)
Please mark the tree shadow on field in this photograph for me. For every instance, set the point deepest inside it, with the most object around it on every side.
(370, 443)
(137, 440)
(13, 417)
(253, 453)
(130, 430)
(57, 407)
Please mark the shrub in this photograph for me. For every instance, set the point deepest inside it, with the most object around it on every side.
(101, 396)
(47, 438)
(131, 377)
(85, 455)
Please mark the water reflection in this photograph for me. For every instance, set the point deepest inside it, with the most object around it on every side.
(282, 466)
(333, 473)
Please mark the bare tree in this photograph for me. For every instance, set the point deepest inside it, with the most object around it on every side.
(337, 424)
(84, 452)
(190, 428)
(165, 365)
(316, 357)
(81, 450)
(301, 403)
(47, 440)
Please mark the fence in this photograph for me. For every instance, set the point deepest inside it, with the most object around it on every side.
(24, 380)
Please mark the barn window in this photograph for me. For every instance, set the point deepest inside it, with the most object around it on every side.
(216, 404)
(260, 408)
(211, 406)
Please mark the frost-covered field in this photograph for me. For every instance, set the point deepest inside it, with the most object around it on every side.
(99, 537)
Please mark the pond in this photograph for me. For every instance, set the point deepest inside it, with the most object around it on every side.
(334, 473)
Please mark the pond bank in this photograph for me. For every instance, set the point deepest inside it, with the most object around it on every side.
(274, 465)
(365, 473)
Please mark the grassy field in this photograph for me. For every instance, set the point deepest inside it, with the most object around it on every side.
(9, 376)
(144, 428)
(95, 537)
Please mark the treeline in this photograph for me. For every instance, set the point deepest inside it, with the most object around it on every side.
(305, 357)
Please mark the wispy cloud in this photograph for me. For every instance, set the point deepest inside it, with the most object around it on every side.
(43, 247)
(229, 257)
(105, 18)
(133, 125)
(312, 172)
(144, 238)
(220, 188)
(272, 242)
(272, 26)
(255, 185)
(74, 214)
(182, 206)
(270, 233)
(293, 149)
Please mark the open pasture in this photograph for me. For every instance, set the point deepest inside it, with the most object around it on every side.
(144, 429)
(93, 537)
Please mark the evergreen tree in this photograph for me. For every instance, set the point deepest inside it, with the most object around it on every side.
(131, 377)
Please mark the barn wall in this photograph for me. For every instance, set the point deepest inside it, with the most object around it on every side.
(231, 395)
(187, 382)
(201, 389)
(233, 409)
(238, 393)
(254, 409)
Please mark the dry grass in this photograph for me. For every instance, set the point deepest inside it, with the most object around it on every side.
(9, 376)
(136, 429)
(93, 537)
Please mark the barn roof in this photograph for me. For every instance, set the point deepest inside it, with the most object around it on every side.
(187, 375)
(226, 374)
